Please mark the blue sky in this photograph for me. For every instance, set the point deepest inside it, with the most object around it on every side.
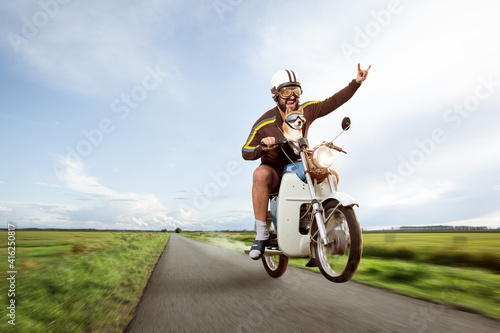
(132, 115)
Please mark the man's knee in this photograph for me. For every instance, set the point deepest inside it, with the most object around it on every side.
(265, 175)
(262, 175)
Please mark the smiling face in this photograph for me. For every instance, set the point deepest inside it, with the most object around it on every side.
(291, 102)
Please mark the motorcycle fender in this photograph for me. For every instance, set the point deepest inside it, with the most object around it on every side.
(345, 199)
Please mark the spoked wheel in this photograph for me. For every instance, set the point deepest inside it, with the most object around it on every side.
(339, 259)
(275, 265)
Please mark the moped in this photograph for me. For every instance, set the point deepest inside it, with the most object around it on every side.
(309, 218)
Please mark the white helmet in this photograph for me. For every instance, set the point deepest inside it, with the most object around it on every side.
(283, 78)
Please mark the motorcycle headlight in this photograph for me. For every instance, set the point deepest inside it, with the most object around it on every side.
(323, 157)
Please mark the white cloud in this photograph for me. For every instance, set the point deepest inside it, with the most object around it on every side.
(4, 209)
(490, 220)
(110, 207)
(37, 214)
(47, 184)
(186, 215)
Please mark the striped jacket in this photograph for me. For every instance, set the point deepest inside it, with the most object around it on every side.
(271, 124)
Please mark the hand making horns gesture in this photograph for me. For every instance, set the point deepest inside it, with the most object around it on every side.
(362, 74)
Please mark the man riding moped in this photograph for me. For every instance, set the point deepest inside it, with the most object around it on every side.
(286, 90)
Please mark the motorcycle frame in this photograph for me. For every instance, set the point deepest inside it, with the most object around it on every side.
(293, 193)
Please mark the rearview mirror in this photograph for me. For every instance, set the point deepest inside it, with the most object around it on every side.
(346, 123)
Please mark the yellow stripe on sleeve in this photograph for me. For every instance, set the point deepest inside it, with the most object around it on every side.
(257, 127)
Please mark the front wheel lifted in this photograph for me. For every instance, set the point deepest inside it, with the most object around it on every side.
(339, 259)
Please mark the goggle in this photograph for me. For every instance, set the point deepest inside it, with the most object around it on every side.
(290, 120)
(294, 116)
(287, 93)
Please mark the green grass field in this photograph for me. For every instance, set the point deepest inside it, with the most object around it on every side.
(480, 250)
(478, 242)
(398, 262)
(78, 281)
(92, 281)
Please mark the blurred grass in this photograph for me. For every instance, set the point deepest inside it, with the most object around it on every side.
(79, 281)
(480, 250)
(475, 290)
(452, 241)
(465, 286)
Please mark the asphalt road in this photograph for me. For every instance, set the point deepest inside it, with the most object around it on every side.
(198, 287)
